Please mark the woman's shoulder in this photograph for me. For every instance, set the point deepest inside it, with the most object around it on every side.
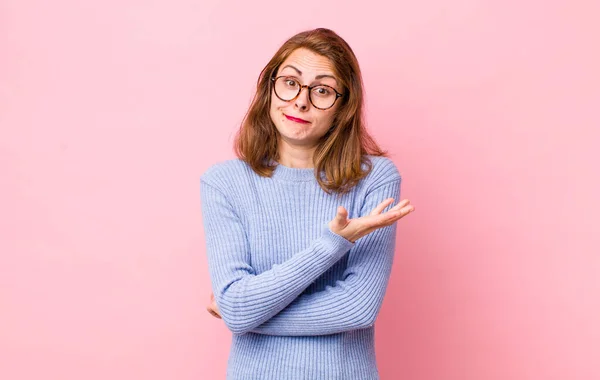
(383, 170)
(225, 173)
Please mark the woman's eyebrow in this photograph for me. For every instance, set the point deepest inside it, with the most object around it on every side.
(325, 76)
(290, 66)
(320, 76)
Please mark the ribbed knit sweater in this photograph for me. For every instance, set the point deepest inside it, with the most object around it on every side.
(300, 300)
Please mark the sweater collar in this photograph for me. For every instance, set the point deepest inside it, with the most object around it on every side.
(287, 173)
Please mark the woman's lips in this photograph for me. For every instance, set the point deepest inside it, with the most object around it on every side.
(302, 121)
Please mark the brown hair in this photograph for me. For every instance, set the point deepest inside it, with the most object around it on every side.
(342, 150)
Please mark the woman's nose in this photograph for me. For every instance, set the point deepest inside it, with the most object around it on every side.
(302, 99)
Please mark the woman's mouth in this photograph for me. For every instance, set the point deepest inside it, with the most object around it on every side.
(297, 120)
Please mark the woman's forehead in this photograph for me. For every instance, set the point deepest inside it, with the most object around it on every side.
(305, 63)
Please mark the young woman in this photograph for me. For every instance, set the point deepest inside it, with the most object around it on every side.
(300, 228)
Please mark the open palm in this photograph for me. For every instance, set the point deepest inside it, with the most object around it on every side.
(354, 229)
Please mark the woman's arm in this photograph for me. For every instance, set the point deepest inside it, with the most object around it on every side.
(246, 299)
(354, 302)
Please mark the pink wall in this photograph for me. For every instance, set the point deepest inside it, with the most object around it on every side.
(110, 111)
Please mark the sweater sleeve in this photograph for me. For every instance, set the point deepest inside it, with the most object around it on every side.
(353, 302)
(246, 299)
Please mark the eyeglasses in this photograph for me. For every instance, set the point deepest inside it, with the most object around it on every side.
(288, 88)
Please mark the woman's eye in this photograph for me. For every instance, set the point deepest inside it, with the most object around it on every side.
(291, 82)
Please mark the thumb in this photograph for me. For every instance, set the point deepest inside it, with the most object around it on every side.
(341, 216)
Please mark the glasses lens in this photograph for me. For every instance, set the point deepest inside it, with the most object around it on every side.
(322, 96)
(286, 88)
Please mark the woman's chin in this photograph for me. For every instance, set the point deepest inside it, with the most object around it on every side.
(296, 137)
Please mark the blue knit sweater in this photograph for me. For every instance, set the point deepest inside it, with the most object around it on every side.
(300, 300)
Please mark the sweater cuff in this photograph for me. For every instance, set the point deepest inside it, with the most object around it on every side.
(337, 243)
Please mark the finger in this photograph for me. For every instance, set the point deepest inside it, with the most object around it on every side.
(407, 209)
(399, 214)
(341, 216)
(400, 205)
(391, 216)
(213, 312)
(388, 215)
(380, 207)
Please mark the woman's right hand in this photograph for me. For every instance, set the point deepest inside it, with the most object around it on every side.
(213, 309)
(354, 229)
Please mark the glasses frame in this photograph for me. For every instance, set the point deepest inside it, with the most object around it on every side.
(337, 94)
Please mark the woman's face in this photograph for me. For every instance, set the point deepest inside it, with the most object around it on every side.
(298, 121)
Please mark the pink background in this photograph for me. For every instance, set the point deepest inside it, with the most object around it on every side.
(110, 111)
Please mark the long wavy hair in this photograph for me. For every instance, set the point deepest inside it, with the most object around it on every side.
(342, 151)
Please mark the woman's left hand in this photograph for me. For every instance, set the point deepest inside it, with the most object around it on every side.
(213, 309)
